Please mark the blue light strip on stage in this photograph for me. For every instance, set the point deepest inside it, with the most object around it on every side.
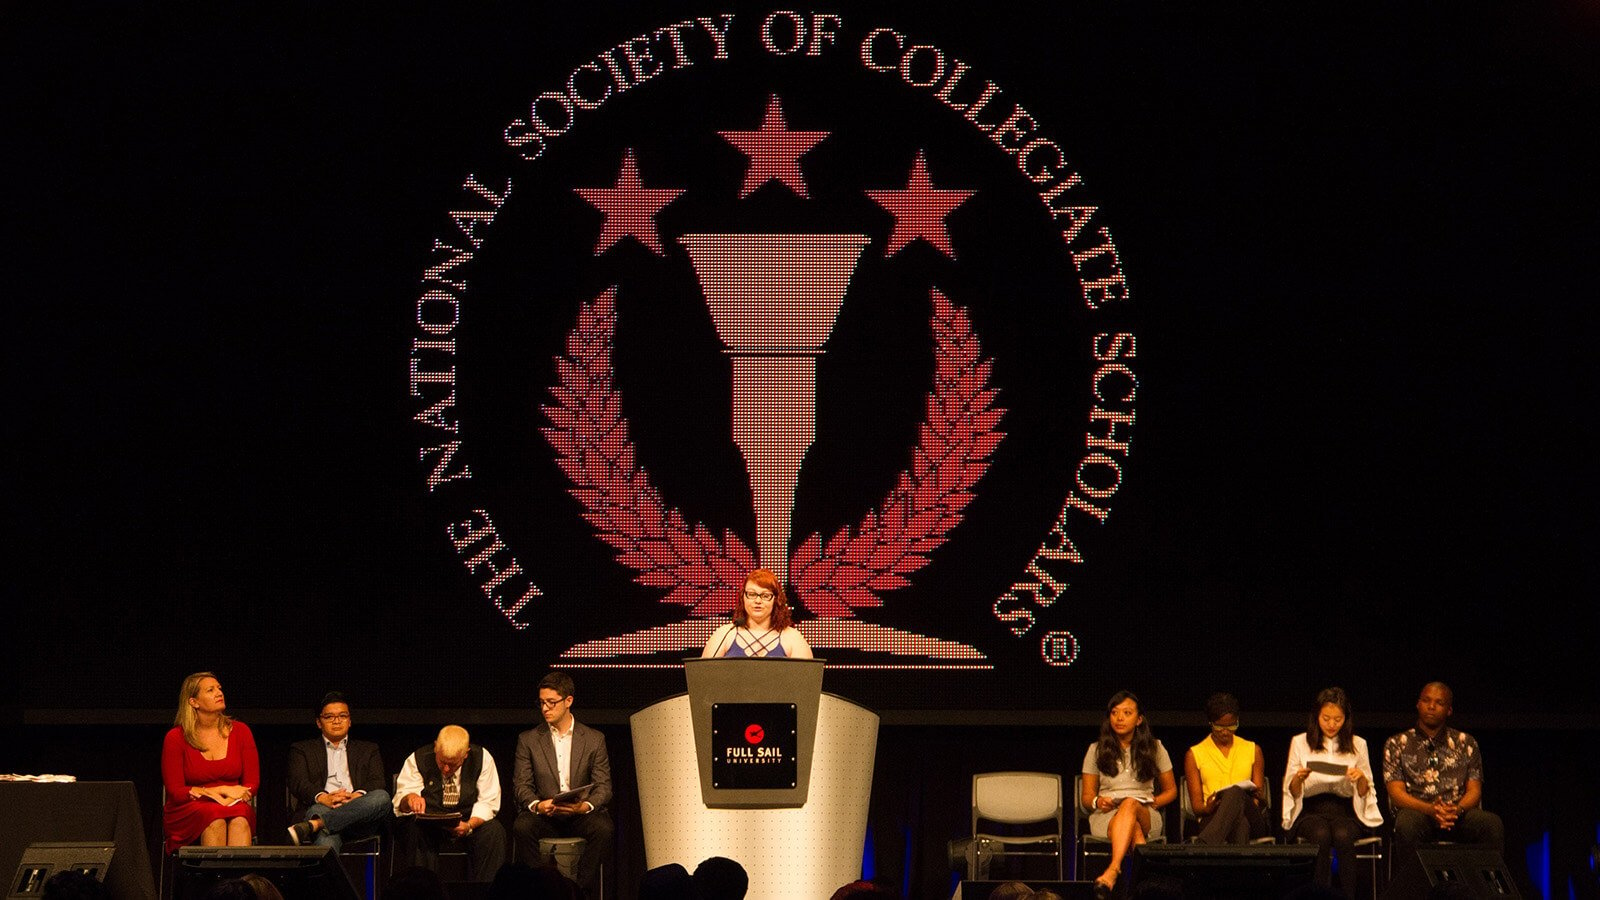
(1539, 864)
(907, 841)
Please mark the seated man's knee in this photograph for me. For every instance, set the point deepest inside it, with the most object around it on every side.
(527, 825)
(490, 833)
(598, 829)
(1412, 827)
(1487, 828)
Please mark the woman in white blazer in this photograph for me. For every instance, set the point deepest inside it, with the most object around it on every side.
(1328, 791)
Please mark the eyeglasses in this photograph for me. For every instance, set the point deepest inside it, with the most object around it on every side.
(551, 704)
(758, 595)
(1216, 727)
(335, 717)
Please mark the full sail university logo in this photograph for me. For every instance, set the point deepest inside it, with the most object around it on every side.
(787, 291)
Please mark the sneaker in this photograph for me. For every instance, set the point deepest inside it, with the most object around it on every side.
(300, 833)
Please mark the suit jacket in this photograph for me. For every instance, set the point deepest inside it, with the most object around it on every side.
(308, 771)
(536, 778)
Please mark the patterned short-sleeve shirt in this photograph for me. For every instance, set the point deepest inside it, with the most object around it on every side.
(1433, 769)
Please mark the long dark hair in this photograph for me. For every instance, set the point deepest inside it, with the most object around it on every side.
(1345, 742)
(1143, 749)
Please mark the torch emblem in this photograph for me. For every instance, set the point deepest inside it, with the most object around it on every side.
(773, 299)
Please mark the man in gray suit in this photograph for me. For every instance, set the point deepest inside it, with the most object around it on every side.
(559, 756)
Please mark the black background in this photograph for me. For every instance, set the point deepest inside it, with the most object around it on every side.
(1361, 245)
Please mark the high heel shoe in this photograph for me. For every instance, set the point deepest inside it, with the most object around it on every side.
(1104, 889)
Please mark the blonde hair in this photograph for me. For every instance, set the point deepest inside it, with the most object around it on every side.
(452, 742)
(188, 720)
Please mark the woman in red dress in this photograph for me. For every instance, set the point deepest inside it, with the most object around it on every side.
(210, 769)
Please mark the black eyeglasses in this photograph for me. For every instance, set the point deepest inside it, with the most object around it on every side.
(549, 704)
(335, 717)
(757, 595)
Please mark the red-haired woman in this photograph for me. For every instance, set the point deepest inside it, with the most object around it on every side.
(762, 623)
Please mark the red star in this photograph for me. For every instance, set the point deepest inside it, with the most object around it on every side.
(919, 210)
(630, 208)
(774, 152)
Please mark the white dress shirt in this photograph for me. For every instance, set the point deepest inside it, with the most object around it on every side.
(338, 766)
(563, 747)
(487, 804)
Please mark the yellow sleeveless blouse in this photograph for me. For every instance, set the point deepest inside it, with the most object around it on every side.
(1218, 771)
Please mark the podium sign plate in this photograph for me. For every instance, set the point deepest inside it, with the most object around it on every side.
(754, 746)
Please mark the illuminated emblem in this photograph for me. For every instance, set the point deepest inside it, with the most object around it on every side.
(785, 228)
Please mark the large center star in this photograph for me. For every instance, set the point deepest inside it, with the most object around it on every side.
(630, 208)
(774, 152)
(919, 210)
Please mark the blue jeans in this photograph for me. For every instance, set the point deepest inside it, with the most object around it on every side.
(358, 818)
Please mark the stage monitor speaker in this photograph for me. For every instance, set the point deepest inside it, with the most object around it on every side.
(1227, 871)
(44, 859)
(80, 814)
(1456, 870)
(313, 873)
(1068, 890)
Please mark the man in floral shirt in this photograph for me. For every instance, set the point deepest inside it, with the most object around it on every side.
(1435, 778)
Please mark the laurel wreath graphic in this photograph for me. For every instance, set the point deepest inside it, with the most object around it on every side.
(952, 453)
(590, 436)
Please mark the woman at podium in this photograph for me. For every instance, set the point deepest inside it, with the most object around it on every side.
(762, 626)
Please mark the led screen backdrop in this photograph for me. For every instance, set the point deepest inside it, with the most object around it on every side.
(1039, 354)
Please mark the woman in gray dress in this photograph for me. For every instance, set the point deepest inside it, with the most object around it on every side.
(1121, 773)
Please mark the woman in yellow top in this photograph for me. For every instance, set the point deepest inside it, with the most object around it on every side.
(1226, 779)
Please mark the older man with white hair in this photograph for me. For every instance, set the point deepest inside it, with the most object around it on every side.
(450, 789)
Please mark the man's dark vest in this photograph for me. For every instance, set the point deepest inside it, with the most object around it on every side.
(433, 781)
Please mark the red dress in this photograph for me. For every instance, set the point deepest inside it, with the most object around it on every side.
(183, 767)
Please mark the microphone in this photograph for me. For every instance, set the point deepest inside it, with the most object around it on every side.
(718, 652)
